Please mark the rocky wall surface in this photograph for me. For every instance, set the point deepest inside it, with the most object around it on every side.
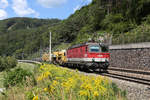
(132, 58)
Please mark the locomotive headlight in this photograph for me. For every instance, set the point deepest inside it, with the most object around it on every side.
(85, 55)
(100, 55)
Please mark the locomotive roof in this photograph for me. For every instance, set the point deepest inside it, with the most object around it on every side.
(79, 45)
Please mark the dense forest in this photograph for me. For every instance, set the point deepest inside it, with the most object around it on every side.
(21, 37)
(118, 18)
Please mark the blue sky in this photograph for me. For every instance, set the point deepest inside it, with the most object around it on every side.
(40, 8)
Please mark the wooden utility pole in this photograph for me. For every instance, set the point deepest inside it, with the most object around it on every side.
(50, 46)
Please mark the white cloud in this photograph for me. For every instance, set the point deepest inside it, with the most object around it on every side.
(83, 3)
(51, 3)
(3, 14)
(89, 1)
(76, 8)
(3, 4)
(21, 8)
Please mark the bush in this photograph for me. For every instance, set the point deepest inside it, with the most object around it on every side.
(18, 76)
(7, 63)
(139, 34)
(11, 62)
(2, 64)
(147, 19)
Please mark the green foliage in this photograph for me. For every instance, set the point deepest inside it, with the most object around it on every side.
(147, 19)
(115, 88)
(29, 95)
(18, 76)
(140, 34)
(6, 63)
(22, 37)
(117, 18)
(82, 35)
(60, 83)
(62, 46)
(116, 24)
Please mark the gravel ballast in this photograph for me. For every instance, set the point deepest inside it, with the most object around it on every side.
(135, 91)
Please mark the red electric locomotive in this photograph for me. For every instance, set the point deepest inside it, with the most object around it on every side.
(91, 56)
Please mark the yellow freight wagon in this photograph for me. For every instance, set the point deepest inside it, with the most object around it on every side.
(59, 57)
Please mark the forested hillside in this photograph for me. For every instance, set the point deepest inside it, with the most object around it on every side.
(115, 17)
(104, 16)
(24, 36)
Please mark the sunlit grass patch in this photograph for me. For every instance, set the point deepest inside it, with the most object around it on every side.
(1, 79)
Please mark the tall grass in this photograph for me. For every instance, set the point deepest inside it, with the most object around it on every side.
(55, 83)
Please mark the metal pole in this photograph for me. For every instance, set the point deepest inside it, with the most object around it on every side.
(50, 47)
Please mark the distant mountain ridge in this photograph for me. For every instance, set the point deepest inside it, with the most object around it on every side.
(16, 23)
(23, 35)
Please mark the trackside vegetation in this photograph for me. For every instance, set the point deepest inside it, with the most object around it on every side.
(18, 76)
(6, 63)
(57, 83)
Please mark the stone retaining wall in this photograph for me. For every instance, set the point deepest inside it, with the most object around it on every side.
(132, 56)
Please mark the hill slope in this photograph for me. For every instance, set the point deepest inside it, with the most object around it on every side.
(26, 36)
(114, 17)
(22, 36)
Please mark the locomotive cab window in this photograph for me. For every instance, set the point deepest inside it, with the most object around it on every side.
(94, 48)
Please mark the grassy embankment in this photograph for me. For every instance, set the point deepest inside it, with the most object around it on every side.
(22, 65)
(55, 83)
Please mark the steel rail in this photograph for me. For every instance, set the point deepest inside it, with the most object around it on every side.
(30, 61)
(126, 78)
(128, 75)
(130, 70)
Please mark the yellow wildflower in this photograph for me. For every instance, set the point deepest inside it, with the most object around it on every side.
(45, 89)
(59, 78)
(96, 93)
(39, 78)
(83, 93)
(51, 89)
(55, 83)
(88, 87)
(76, 70)
(35, 98)
(44, 75)
(103, 90)
(41, 67)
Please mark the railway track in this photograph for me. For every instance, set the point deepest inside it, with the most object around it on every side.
(138, 76)
(30, 61)
(130, 70)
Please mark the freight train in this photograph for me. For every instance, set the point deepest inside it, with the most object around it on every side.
(86, 56)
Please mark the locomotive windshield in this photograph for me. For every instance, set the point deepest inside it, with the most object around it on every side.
(94, 48)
